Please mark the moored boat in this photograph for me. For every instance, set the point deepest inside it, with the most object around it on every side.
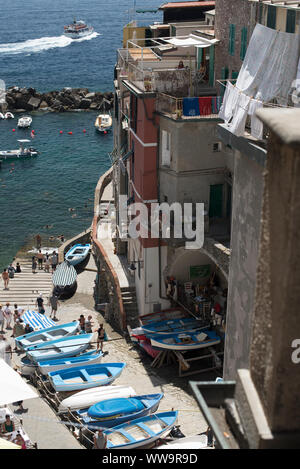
(52, 333)
(78, 29)
(140, 432)
(65, 347)
(164, 315)
(9, 115)
(90, 358)
(185, 341)
(113, 412)
(77, 253)
(25, 122)
(21, 152)
(103, 123)
(85, 376)
(64, 280)
(173, 326)
(88, 397)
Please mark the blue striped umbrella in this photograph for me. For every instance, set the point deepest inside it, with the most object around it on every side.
(37, 321)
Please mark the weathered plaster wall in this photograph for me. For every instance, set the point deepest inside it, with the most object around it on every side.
(245, 232)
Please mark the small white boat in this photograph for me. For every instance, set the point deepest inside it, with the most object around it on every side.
(78, 29)
(2, 116)
(66, 347)
(77, 254)
(9, 115)
(89, 397)
(189, 442)
(24, 122)
(22, 152)
(103, 123)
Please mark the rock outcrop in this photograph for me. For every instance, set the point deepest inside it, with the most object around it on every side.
(68, 99)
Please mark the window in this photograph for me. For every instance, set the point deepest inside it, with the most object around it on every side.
(271, 19)
(231, 39)
(290, 21)
(243, 43)
(165, 148)
(217, 147)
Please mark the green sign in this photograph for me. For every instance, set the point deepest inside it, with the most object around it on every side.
(199, 271)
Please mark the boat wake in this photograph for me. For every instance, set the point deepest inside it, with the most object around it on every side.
(41, 44)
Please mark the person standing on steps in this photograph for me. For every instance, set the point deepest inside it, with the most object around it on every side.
(53, 302)
(33, 264)
(54, 261)
(40, 259)
(40, 304)
(8, 316)
(11, 271)
(5, 277)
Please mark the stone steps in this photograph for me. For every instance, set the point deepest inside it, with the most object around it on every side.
(25, 286)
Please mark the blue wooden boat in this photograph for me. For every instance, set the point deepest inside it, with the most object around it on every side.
(140, 432)
(51, 333)
(78, 253)
(185, 341)
(61, 348)
(173, 326)
(84, 377)
(46, 366)
(112, 412)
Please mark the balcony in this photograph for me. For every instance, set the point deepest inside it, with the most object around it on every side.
(201, 107)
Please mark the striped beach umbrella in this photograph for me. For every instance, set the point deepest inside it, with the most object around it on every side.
(37, 321)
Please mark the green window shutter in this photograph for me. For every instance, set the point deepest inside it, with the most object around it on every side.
(260, 12)
(231, 39)
(199, 57)
(211, 65)
(290, 21)
(271, 20)
(234, 76)
(243, 43)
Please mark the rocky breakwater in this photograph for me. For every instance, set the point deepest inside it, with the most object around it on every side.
(68, 99)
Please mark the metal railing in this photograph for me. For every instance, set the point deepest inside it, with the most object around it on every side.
(172, 106)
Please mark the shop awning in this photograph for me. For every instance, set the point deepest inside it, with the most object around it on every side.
(12, 386)
(192, 40)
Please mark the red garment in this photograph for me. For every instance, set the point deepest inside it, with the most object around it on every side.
(217, 308)
(205, 106)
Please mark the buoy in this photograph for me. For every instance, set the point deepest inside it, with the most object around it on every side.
(13, 130)
(105, 132)
(60, 131)
(84, 131)
(70, 133)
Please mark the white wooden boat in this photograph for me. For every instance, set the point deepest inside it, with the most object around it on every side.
(24, 122)
(185, 341)
(89, 397)
(140, 432)
(2, 116)
(46, 366)
(46, 335)
(189, 442)
(77, 253)
(103, 123)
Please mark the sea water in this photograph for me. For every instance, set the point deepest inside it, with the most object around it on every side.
(52, 194)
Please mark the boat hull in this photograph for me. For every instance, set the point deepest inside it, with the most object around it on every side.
(77, 254)
(158, 425)
(66, 347)
(25, 341)
(79, 35)
(93, 417)
(67, 363)
(191, 341)
(89, 397)
(85, 377)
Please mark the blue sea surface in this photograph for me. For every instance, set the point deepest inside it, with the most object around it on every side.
(33, 52)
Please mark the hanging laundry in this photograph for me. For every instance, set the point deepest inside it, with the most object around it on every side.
(205, 106)
(190, 107)
(229, 102)
(237, 125)
(256, 124)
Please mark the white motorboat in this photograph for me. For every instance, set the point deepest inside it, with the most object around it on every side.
(103, 122)
(9, 115)
(24, 122)
(89, 397)
(78, 29)
(2, 116)
(22, 152)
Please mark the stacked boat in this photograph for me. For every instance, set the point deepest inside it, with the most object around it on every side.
(84, 386)
(173, 329)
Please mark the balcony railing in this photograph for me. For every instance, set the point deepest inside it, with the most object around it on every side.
(206, 107)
